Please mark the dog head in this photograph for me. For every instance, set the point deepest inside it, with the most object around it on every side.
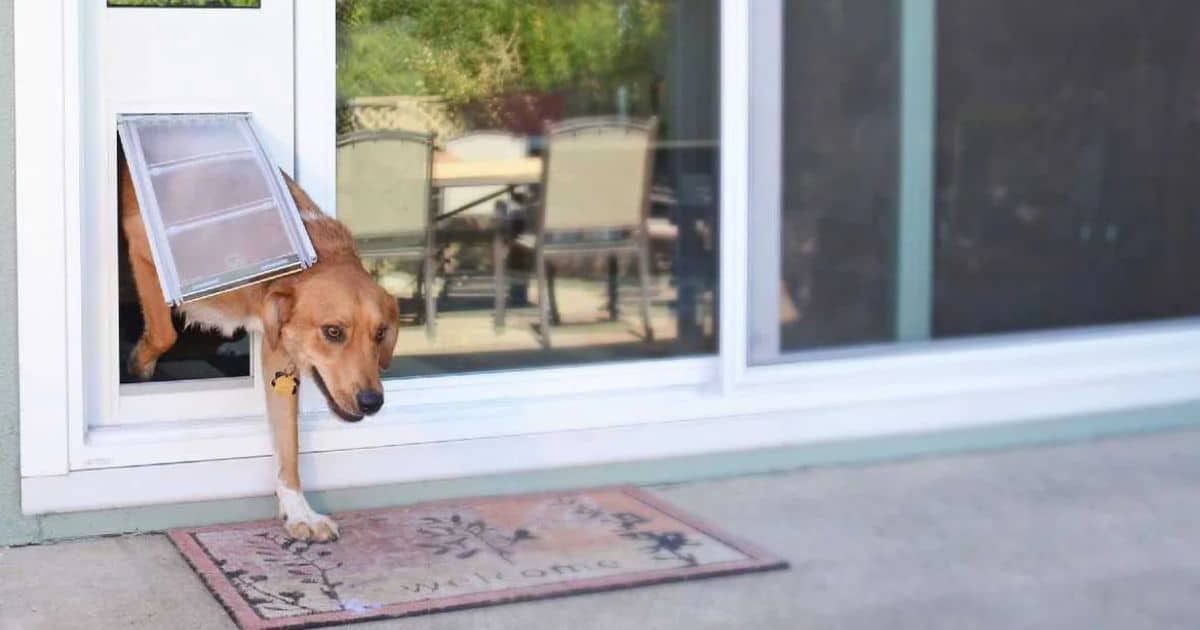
(340, 327)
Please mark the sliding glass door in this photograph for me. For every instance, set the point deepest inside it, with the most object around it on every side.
(971, 167)
(1068, 138)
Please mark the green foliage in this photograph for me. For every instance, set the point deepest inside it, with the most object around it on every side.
(472, 50)
(374, 58)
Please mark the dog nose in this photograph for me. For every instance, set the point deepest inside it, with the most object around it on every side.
(368, 401)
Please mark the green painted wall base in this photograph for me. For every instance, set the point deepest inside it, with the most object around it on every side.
(13, 527)
(59, 526)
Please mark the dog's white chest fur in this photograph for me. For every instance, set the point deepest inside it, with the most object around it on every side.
(201, 315)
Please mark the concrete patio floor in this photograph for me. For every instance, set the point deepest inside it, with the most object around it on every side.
(1092, 535)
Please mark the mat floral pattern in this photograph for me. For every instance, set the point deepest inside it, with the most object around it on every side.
(456, 554)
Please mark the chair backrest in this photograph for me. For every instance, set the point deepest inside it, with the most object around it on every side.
(480, 145)
(597, 173)
(383, 180)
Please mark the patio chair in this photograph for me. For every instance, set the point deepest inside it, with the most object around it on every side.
(496, 200)
(595, 199)
(383, 196)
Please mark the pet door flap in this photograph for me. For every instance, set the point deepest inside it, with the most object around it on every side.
(217, 211)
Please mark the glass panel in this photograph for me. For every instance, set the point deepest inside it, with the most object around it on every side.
(462, 125)
(1069, 133)
(839, 186)
(1064, 140)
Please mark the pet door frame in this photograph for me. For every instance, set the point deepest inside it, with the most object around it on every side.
(527, 420)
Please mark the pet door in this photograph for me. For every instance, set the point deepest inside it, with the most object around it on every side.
(217, 211)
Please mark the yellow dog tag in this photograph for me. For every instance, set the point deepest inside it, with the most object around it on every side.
(285, 383)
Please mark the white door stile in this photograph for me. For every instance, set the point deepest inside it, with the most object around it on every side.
(765, 218)
(73, 172)
(734, 193)
(316, 101)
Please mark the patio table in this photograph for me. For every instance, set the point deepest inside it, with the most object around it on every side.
(448, 172)
(510, 173)
(507, 175)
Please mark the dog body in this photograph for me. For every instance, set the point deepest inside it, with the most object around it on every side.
(331, 323)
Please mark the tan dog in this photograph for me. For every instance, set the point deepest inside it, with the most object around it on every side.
(331, 323)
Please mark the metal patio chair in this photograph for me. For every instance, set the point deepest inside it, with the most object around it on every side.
(495, 200)
(595, 199)
(383, 196)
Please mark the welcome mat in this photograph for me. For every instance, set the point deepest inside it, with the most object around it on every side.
(458, 554)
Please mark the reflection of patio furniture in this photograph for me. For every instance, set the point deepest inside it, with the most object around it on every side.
(383, 196)
(480, 147)
(448, 172)
(595, 199)
(486, 146)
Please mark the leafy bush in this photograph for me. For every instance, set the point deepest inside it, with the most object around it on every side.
(473, 50)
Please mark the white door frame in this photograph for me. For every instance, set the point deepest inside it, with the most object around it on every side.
(254, 73)
(525, 420)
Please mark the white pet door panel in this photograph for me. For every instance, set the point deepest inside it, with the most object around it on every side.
(217, 211)
(144, 63)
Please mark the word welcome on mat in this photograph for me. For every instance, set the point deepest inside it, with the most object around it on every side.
(457, 554)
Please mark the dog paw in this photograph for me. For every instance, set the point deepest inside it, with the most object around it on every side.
(320, 528)
(139, 367)
(301, 521)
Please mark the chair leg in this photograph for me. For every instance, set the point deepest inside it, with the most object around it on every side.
(543, 296)
(551, 275)
(614, 308)
(430, 291)
(644, 275)
(499, 262)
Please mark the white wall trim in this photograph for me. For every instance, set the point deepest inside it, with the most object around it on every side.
(41, 68)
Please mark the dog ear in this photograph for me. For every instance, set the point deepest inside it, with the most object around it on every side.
(387, 348)
(304, 203)
(388, 345)
(277, 310)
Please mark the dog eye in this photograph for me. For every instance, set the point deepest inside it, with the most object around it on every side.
(333, 333)
(380, 334)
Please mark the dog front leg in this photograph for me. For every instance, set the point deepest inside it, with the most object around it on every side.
(299, 519)
(159, 334)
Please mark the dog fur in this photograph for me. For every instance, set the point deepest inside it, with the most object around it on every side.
(332, 322)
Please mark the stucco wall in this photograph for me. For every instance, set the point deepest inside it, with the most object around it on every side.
(13, 527)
